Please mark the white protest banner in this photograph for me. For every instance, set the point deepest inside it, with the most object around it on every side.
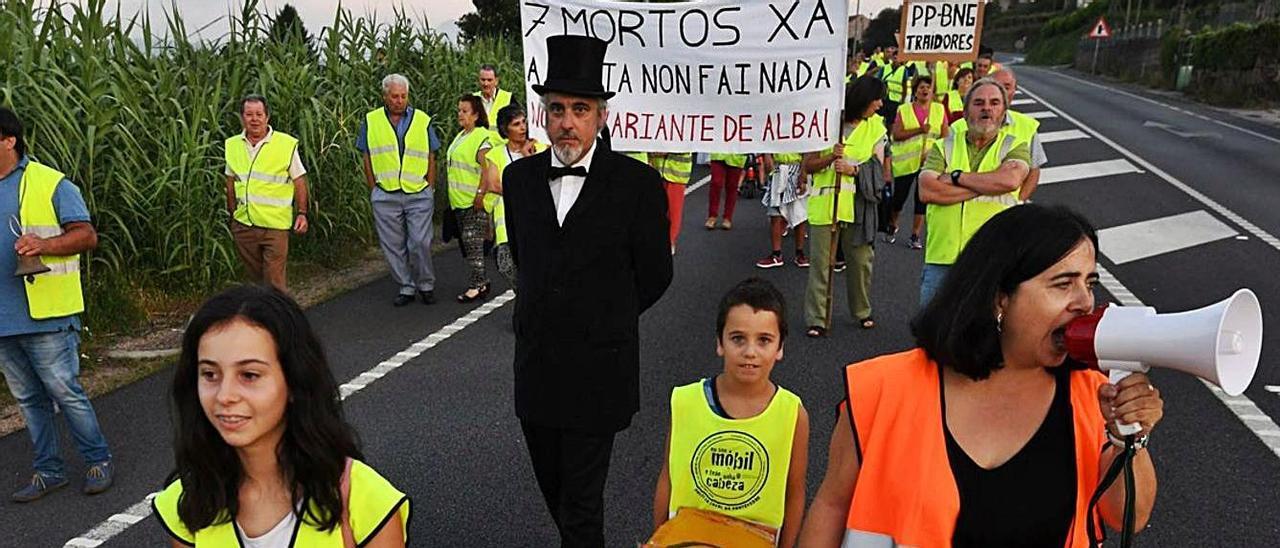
(706, 76)
(940, 30)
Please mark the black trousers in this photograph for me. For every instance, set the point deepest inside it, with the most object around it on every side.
(571, 467)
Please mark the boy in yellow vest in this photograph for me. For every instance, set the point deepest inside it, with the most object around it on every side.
(738, 443)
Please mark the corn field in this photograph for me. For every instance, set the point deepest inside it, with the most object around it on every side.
(135, 113)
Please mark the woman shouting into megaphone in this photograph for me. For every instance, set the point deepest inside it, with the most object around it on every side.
(987, 434)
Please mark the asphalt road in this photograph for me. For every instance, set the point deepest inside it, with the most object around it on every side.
(442, 427)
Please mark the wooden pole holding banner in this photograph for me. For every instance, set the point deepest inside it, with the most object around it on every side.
(835, 241)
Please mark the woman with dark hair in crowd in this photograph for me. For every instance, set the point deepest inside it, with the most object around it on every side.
(860, 165)
(513, 128)
(264, 457)
(954, 99)
(987, 434)
(918, 125)
(466, 197)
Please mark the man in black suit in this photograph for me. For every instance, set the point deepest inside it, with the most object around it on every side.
(588, 230)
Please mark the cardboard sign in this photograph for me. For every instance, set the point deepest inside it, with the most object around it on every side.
(940, 30)
(708, 76)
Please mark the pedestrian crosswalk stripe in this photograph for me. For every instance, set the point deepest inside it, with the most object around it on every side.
(1041, 114)
(1141, 240)
(1218, 208)
(1018, 102)
(1090, 170)
(1064, 135)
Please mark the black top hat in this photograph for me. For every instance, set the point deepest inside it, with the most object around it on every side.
(575, 66)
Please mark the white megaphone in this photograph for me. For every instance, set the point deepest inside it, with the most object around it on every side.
(1220, 343)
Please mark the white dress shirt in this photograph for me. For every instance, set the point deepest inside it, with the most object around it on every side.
(565, 190)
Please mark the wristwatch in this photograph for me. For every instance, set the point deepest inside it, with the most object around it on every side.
(1139, 442)
(955, 177)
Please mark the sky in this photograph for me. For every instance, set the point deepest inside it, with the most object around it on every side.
(441, 14)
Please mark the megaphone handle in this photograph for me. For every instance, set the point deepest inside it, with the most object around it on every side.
(1117, 375)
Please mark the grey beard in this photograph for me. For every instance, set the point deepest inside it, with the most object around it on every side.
(568, 154)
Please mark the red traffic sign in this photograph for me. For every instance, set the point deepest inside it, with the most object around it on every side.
(1100, 29)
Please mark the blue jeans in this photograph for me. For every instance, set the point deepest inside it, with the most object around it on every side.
(42, 368)
(930, 280)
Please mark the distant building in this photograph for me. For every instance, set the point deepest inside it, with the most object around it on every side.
(858, 26)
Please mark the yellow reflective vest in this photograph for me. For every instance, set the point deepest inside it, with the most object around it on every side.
(859, 146)
(58, 292)
(951, 226)
(501, 157)
(941, 80)
(908, 154)
(731, 160)
(373, 501)
(464, 172)
(264, 190)
(392, 171)
(736, 467)
(955, 102)
(643, 157)
(675, 167)
(501, 98)
(896, 80)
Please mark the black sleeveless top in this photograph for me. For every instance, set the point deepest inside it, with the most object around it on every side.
(1028, 501)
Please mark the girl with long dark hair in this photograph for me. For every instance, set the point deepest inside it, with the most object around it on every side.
(264, 457)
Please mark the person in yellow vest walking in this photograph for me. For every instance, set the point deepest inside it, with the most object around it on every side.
(897, 76)
(513, 128)
(1025, 128)
(262, 455)
(987, 434)
(742, 414)
(967, 178)
(47, 226)
(918, 125)
(676, 168)
(466, 157)
(399, 143)
(860, 161)
(786, 205)
(266, 193)
(727, 174)
(491, 96)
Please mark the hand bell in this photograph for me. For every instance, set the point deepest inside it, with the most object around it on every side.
(29, 266)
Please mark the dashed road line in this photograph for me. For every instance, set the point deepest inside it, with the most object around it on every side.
(1207, 201)
(1041, 114)
(1168, 106)
(1241, 406)
(1020, 102)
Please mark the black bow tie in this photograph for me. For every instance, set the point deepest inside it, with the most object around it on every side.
(558, 172)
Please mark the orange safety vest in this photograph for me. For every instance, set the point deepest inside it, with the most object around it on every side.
(906, 494)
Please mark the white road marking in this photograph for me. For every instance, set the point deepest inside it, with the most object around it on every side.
(1041, 114)
(1020, 102)
(1207, 201)
(1064, 135)
(1170, 107)
(1089, 170)
(1274, 389)
(1134, 241)
(117, 523)
(1253, 418)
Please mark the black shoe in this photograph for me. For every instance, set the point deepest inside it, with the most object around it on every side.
(428, 297)
(402, 300)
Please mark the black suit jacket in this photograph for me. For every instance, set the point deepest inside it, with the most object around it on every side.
(583, 287)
